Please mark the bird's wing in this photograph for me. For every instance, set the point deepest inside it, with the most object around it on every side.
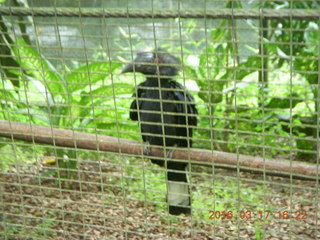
(139, 93)
(133, 108)
(187, 100)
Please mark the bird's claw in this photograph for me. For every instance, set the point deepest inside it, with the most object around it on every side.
(147, 149)
(170, 152)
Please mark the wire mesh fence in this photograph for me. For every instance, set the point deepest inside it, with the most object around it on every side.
(159, 120)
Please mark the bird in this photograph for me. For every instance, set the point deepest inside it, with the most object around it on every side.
(167, 114)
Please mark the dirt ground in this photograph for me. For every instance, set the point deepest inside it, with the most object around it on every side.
(32, 208)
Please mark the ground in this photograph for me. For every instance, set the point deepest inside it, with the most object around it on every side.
(97, 205)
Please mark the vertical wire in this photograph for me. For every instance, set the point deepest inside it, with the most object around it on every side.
(14, 145)
(105, 42)
(144, 159)
(88, 73)
(117, 119)
(2, 189)
(317, 202)
(123, 182)
(51, 122)
(263, 79)
(70, 158)
(161, 104)
(236, 111)
(56, 154)
(211, 117)
(142, 156)
(188, 137)
(56, 25)
(291, 116)
(69, 101)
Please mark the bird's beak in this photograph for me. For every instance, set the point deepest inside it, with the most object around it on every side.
(127, 68)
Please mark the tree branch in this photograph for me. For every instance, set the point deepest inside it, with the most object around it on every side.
(81, 140)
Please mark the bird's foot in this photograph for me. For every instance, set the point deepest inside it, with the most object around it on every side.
(147, 149)
(171, 151)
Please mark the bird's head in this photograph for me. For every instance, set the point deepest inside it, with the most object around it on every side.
(157, 62)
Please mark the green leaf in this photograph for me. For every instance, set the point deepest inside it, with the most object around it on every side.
(9, 97)
(125, 130)
(89, 74)
(102, 95)
(190, 72)
(7, 61)
(7, 92)
(38, 67)
(105, 92)
(252, 64)
(220, 32)
(287, 102)
(40, 88)
(312, 38)
(36, 113)
(240, 85)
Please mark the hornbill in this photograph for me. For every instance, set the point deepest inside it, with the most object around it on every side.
(166, 113)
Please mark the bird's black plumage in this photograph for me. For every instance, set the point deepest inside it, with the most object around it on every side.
(166, 113)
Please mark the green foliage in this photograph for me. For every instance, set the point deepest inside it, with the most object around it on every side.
(212, 63)
(286, 102)
(225, 81)
(16, 155)
(40, 230)
(221, 196)
(146, 183)
(36, 66)
(89, 74)
(312, 37)
(85, 97)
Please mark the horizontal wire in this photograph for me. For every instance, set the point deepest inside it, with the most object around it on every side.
(305, 14)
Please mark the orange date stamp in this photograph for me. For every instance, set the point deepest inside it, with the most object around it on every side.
(260, 214)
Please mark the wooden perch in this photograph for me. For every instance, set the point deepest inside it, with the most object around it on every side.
(80, 140)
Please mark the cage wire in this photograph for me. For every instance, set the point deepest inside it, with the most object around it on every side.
(242, 115)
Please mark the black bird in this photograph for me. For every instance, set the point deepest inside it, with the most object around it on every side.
(166, 113)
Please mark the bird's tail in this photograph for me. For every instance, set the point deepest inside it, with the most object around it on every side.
(178, 193)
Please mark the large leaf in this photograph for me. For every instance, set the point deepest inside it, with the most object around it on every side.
(7, 92)
(124, 130)
(7, 61)
(38, 67)
(89, 74)
(105, 92)
(312, 38)
(252, 64)
(101, 95)
(9, 97)
(40, 89)
(287, 102)
(39, 114)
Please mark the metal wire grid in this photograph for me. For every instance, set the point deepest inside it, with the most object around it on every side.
(113, 196)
